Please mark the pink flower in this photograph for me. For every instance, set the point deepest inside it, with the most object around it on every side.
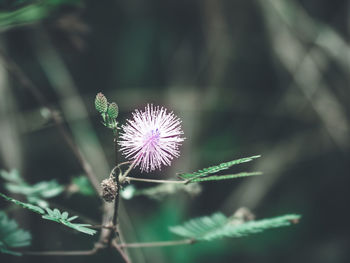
(151, 138)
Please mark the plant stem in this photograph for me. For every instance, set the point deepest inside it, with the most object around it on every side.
(116, 201)
(115, 229)
(121, 251)
(62, 253)
(102, 226)
(155, 180)
(128, 170)
(160, 244)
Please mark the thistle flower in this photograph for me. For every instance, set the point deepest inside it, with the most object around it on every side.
(151, 138)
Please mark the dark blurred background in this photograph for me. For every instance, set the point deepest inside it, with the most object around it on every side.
(246, 77)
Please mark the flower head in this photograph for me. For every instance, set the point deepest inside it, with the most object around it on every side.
(151, 138)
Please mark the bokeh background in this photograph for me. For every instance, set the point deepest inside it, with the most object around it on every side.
(267, 77)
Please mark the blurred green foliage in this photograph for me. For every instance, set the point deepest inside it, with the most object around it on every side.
(218, 226)
(24, 12)
(36, 193)
(11, 236)
(83, 185)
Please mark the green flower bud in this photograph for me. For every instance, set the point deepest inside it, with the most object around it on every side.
(101, 103)
(112, 110)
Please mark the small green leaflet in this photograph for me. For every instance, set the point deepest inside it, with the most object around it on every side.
(11, 236)
(54, 215)
(57, 216)
(219, 226)
(206, 172)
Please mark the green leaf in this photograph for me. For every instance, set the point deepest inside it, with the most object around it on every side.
(224, 177)
(219, 226)
(31, 207)
(11, 236)
(53, 215)
(62, 218)
(214, 169)
(80, 227)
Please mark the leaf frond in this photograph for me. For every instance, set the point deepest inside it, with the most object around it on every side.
(54, 215)
(206, 172)
(218, 226)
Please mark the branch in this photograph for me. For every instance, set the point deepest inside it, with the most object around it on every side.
(155, 180)
(114, 243)
(160, 244)
(102, 227)
(63, 252)
(116, 230)
(121, 251)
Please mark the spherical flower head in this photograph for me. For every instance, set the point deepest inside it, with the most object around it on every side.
(152, 138)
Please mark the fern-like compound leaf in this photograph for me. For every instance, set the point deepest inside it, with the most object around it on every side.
(218, 226)
(193, 177)
(62, 218)
(11, 236)
(54, 215)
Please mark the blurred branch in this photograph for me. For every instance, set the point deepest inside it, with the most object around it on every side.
(118, 247)
(188, 241)
(307, 65)
(61, 253)
(20, 76)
